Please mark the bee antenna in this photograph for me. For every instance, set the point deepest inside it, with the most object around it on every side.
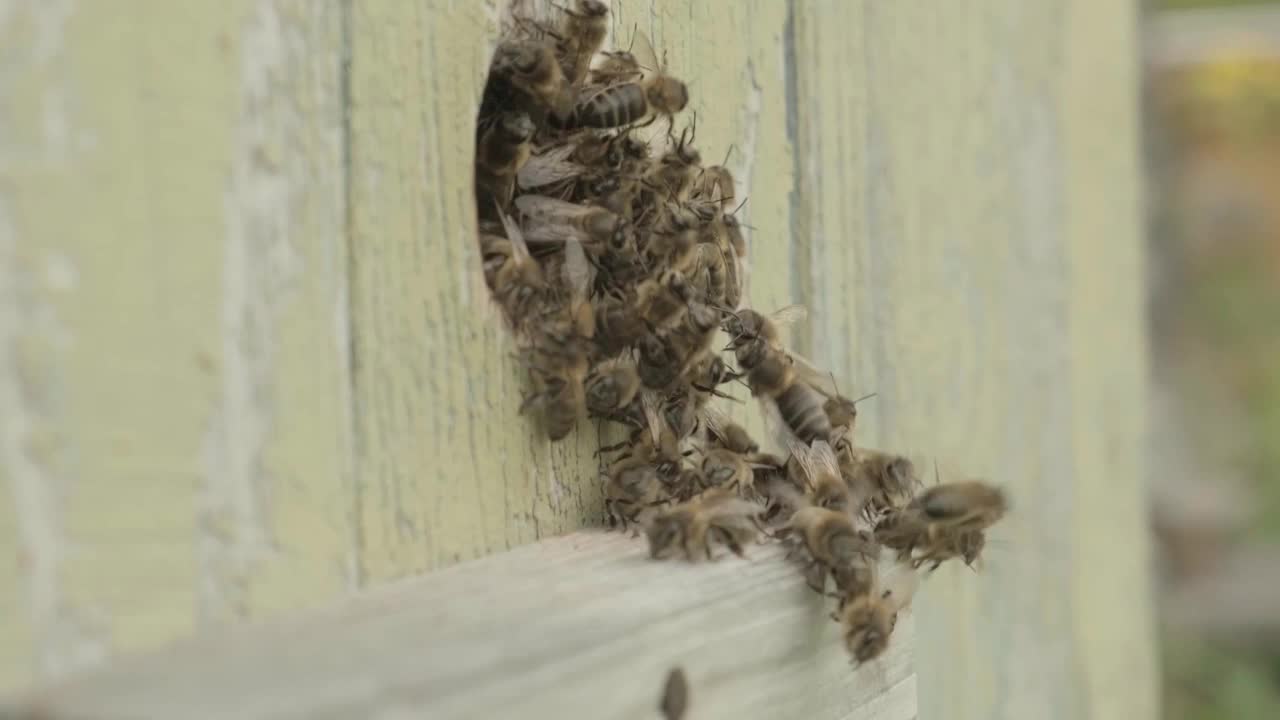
(864, 397)
(936, 481)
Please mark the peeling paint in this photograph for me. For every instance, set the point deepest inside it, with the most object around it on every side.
(258, 268)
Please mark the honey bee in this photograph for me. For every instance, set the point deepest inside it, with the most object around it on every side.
(628, 103)
(828, 542)
(725, 433)
(942, 519)
(966, 544)
(772, 378)
(618, 324)
(549, 220)
(675, 172)
(657, 362)
(733, 232)
(583, 30)
(748, 325)
(664, 300)
(867, 620)
(632, 486)
(530, 67)
(513, 276)
(675, 696)
(694, 527)
(671, 246)
(827, 487)
(618, 67)
(502, 149)
(561, 352)
(716, 185)
(611, 386)
(690, 341)
(885, 478)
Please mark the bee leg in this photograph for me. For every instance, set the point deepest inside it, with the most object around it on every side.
(936, 564)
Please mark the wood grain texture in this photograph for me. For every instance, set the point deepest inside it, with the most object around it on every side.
(171, 336)
(590, 627)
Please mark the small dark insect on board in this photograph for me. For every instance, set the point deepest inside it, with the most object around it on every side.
(675, 695)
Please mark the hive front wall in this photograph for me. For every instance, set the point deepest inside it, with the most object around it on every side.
(247, 364)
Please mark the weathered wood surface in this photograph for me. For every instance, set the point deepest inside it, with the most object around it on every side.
(579, 626)
(245, 365)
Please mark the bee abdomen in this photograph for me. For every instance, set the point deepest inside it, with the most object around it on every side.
(612, 107)
(801, 408)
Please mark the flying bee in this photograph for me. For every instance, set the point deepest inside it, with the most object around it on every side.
(502, 149)
(966, 544)
(828, 542)
(628, 103)
(694, 527)
(611, 386)
(747, 325)
(530, 67)
(938, 517)
(583, 30)
(513, 276)
(867, 620)
(966, 505)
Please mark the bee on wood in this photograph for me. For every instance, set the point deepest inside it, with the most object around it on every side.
(619, 324)
(657, 362)
(717, 516)
(716, 275)
(551, 221)
(611, 386)
(941, 518)
(530, 68)
(772, 378)
(502, 149)
(513, 276)
(715, 184)
(632, 486)
(827, 487)
(628, 103)
(582, 31)
(828, 543)
(664, 300)
(886, 479)
(675, 695)
(675, 172)
(690, 341)
(867, 620)
(618, 67)
(560, 352)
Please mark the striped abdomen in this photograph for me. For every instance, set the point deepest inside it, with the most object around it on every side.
(612, 107)
(801, 408)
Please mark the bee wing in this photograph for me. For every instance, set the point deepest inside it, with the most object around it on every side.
(808, 462)
(519, 249)
(813, 376)
(788, 315)
(550, 167)
(545, 233)
(823, 458)
(577, 271)
(652, 414)
(645, 57)
(549, 209)
(716, 420)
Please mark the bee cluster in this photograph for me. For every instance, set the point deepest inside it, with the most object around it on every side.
(616, 263)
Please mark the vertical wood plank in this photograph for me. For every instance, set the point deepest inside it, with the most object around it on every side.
(970, 261)
(170, 357)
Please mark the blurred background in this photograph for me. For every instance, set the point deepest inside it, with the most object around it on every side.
(1213, 135)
